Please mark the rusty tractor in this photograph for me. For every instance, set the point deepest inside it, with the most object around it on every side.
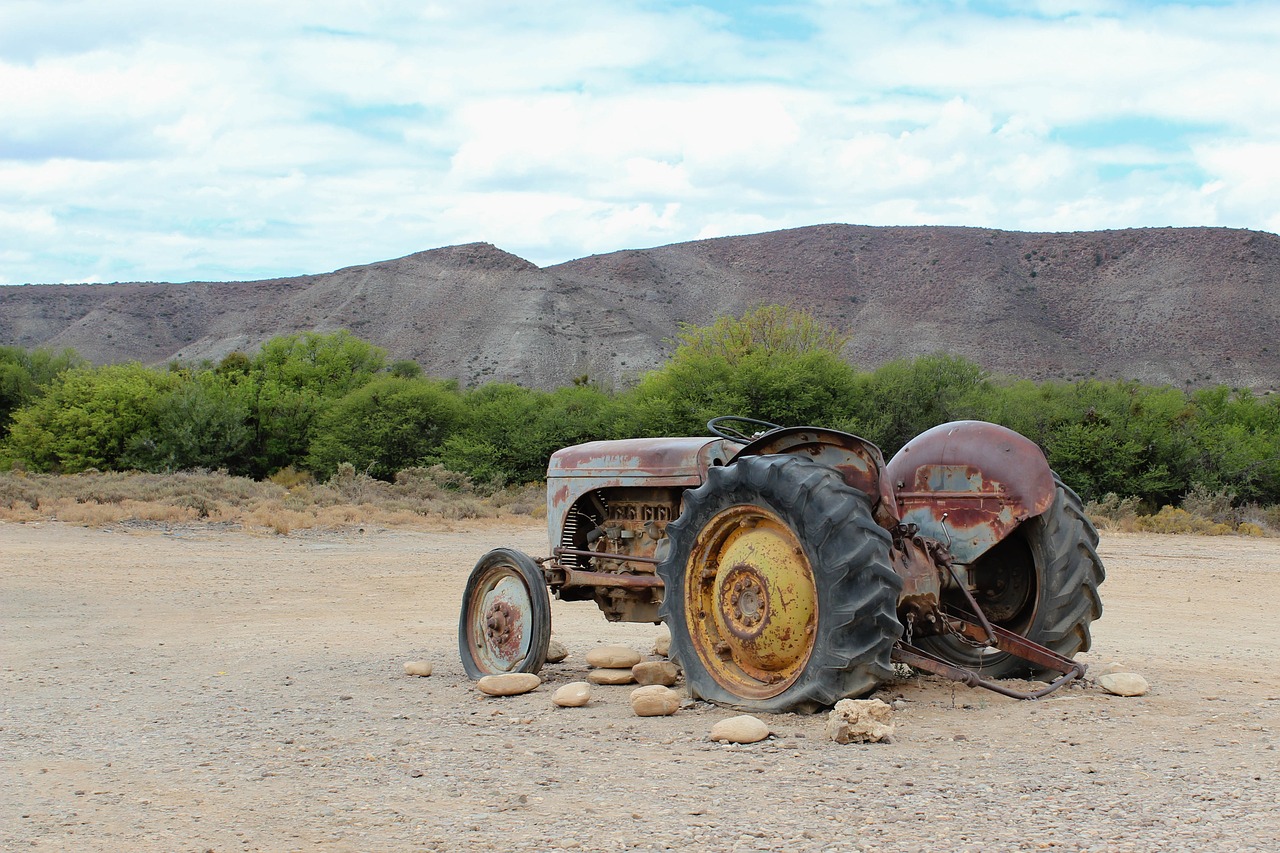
(794, 567)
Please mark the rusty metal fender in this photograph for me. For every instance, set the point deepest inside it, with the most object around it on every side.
(970, 484)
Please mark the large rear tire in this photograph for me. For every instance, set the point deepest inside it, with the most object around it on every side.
(1040, 582)
(779, 592)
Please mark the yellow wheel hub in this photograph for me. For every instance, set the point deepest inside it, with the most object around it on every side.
(752, 604)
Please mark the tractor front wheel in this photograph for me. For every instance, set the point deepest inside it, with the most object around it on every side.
(505, 624)
(779, 592)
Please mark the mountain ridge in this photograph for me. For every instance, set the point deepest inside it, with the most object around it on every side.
(1180, 306)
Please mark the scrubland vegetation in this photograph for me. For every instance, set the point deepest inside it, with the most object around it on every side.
(320, 430)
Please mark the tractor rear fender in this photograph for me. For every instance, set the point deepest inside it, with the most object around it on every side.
(859, 462)
(970, 484)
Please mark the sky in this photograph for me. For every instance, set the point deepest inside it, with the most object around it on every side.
(143, 140)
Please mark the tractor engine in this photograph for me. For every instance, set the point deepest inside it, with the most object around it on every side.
(609, 549)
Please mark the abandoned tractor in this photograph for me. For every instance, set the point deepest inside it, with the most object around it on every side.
(794, 567)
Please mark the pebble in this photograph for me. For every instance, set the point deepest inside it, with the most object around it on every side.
(860, 721)
(654, 700)
(572, 695)
(556, 651)
(1124, 684)
(741, 729)
(417, 667)
(655, 672)
(609, 675)
(613, 657)
(508, 684)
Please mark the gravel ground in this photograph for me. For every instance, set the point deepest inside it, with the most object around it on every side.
(202, 690)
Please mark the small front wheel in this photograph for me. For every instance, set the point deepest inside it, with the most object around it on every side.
(505, 624)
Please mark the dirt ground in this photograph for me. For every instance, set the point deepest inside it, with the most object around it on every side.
(198, 689)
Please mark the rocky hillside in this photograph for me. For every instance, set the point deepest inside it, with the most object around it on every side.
(1172, 305)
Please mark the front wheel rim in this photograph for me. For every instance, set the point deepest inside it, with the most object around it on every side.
(751, 602)
(500, 621)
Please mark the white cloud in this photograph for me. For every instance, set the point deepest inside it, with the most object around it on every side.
(160, 141)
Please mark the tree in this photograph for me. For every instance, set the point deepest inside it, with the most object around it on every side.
(24, 376)
(902, 398)
(295, 380)
(202, 423)
(510, 432)
(386, 426)
(89, 417)
(774, 363)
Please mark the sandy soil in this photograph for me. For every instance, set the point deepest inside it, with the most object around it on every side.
(204, 690)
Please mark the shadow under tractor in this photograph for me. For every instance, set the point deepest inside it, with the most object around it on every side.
(793, 567)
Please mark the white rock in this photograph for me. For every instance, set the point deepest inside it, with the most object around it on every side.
(860, 721)
(655, 672)
(556, 651)
(662, 645)
(1109, 668)
(572, 695)
(743, 729)
(654, 700)
(613, 657)
(417, 667)
(509, 683)
(608, 675)
(1124, 683)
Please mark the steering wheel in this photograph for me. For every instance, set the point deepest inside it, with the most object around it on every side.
(728, 432)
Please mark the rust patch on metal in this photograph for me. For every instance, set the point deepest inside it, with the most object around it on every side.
(970, 484)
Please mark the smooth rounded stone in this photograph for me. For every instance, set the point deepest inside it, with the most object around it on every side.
(613, 657)
(742, 729)
(1109, 668)
(1124, 684)
(609, 675)
(654, 700)
(556, 651)
(417, 667)
(662, 645)
(860, 721)
(508, 684)
(572, 695)
(655, 672)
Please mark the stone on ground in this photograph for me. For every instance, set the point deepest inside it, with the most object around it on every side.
(662, 645)
(417, 667)
(860, 721)
(1124, 684)
(572, 695)
(655, 672)
(556, 651)
(742, 729)
(654, 700)
(609, 675)
(508, 684)
(613, 657)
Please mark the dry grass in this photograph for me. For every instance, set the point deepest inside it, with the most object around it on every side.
(426, 498)
(419, 498)
(1202, 511)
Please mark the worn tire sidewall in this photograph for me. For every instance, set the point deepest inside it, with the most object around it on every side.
(842, 552)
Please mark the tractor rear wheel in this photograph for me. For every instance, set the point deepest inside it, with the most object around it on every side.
(779, 592)
(1040, 582)
(505, 624)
